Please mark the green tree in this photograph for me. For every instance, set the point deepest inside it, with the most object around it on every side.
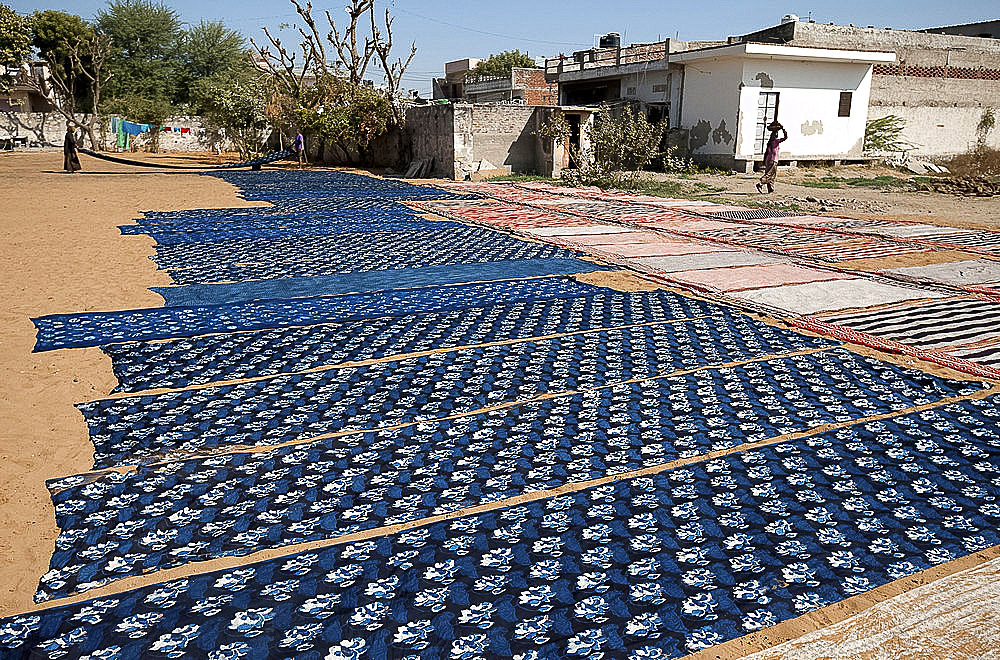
(15, 37)
(236, 101)
(145, 36)
(55, 34)
(500, 64)
(52, 30)
(211, 48)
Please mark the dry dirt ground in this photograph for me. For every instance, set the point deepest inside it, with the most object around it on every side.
(847, 200)
(62, 252)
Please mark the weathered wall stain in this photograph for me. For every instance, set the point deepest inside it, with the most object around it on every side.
(765, 80)
(699, 134)
(812, 127)
(720, 134)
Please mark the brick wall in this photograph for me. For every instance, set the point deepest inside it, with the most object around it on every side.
(536, 90)
(936, 72)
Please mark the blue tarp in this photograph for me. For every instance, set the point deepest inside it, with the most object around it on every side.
(379, 280)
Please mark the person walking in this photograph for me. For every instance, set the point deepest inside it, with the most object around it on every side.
(71, 159)
(299, 146)
(771, 157)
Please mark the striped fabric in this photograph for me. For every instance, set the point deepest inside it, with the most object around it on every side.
(752, 214)
(978, 241)
(855, 249)
(938, 324)
(986, 355)
(772, 237)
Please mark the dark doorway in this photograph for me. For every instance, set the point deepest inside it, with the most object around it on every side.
(574, 139)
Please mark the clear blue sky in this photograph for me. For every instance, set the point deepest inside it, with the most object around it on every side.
(452, 29)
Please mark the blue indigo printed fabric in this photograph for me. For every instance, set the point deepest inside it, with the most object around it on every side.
(287, 228)
(652, 567)
(332, 255)
(300, 262)
(837, 385)
(234, 504)
(377, 280)
(290, 248)
(299, 208)
(275, 185)
(99, 328)
(233, 356)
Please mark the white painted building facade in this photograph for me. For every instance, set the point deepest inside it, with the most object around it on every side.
(730, 93)
(725, 95)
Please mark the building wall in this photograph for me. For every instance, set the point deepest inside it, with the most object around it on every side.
(462, 137)
(710, 108)
(941, 114)
(503, 135)
(809, 99)
(51, 128)
(941, 86)
(912, 48)
(430, 130)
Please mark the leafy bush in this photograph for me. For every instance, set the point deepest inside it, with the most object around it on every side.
(621, 146)
(885, 135)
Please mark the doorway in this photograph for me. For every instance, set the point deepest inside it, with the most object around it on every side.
(574, 139)
(767, 111)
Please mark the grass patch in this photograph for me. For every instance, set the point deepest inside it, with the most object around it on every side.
(881, 182)
(878, 182)
(707, 187)
(662, 188)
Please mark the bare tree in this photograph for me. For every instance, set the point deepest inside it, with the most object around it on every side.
(393, 70)
(355, 62)
(84, 72)
(351, 49)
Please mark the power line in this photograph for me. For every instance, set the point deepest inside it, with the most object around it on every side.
(492, 34)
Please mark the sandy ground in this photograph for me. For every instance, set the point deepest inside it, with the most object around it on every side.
(63, 253)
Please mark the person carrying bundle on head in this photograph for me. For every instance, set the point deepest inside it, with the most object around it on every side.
(771, 157)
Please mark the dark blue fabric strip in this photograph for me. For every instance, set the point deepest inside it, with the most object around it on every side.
(177, 363)
(99, 328)
(296, 407)
(655, 567)
(227, 232)
(379, 280)
(552, 443)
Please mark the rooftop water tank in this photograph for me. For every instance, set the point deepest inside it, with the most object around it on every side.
(611, 40)
(789, 18)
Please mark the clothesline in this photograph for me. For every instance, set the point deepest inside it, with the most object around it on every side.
(124, 130)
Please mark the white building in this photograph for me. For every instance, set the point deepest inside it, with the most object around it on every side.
(725, 95)
(729, 94)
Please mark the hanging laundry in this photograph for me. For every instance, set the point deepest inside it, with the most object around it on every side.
(133, 128)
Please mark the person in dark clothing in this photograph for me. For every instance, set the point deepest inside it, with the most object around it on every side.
(771, 157)
(71, 159)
